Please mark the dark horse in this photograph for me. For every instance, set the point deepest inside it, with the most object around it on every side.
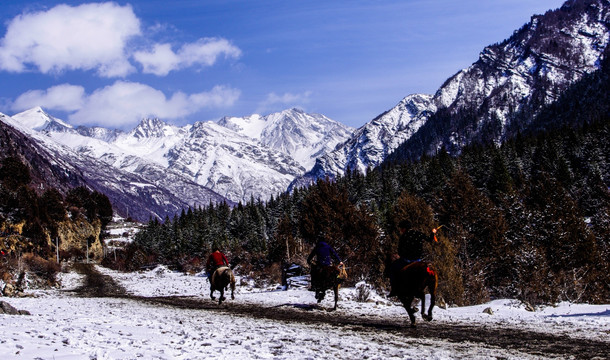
(220, 280)
(411, 281)
(328, 277)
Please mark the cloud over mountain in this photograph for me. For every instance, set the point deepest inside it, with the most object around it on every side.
(107, 41)
(123, 104)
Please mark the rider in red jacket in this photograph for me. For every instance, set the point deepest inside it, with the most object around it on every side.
(215, 260)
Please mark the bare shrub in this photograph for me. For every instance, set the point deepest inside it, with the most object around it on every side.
(191, 265)
(41, 267)
(363, 292)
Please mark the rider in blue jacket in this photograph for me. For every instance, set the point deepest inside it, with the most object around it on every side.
(324, 255)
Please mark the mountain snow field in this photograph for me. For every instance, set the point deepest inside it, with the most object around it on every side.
(63, 325)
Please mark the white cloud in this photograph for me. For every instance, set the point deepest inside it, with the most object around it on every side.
(126, 103)
(162, 59)
(276, 102)
(64, 97)
(103, 38)
(86, 37)
(100, 37)
(123, 104)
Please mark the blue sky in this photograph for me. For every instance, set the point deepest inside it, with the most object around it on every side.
(112, 63)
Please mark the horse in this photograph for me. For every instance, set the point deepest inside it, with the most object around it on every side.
(328, 277)
(411, 281)
(220, 280)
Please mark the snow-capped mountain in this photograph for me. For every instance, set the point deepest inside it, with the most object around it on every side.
(236, 166)
(521, 74)
(45, 171)
(37, 119)
(484, 101)
(199, 163)
(373, 142)
(304, 136)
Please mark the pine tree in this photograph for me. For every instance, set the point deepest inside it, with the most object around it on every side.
(478, 229)
(327, 214)
(14, 173)
(442, 254)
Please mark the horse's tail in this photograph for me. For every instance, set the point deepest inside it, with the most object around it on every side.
(432, 281)
(227, 279)
(231, 280)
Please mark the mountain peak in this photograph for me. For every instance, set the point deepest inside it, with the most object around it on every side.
(38, 119)
(487, 100)
(292, 131)
(151, 127)
(295, 110)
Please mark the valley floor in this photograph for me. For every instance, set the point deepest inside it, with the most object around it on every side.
(160, 314)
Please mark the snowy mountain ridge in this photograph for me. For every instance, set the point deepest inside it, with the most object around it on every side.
(373, 142)
(226, 158)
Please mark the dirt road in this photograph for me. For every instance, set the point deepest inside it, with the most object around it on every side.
(530, 342)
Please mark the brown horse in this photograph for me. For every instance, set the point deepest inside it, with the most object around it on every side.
(220, 280)
(411, 281)
(328, 277)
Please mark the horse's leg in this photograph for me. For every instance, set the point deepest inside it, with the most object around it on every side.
(336, 290)
(211, 280)
(232, 289)
(422, 298)
(406, 303)
(222, 292)
(432, 302)
(222, 296)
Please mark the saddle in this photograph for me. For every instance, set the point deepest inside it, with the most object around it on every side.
(410, 265)
(219, 270)
(325, 276)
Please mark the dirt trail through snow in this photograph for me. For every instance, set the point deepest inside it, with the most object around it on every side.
(534, 343)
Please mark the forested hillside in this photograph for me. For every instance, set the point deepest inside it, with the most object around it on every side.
(37, 225)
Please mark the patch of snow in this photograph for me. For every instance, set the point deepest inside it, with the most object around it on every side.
(63, 326)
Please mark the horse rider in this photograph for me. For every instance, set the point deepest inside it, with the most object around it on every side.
(410, 248)
(215, 260)
(324, 255)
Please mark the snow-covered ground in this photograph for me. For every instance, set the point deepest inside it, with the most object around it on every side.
(63, 326)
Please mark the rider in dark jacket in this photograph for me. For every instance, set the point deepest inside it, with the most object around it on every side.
(323, 253)
(410, 248)
(411, 242)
